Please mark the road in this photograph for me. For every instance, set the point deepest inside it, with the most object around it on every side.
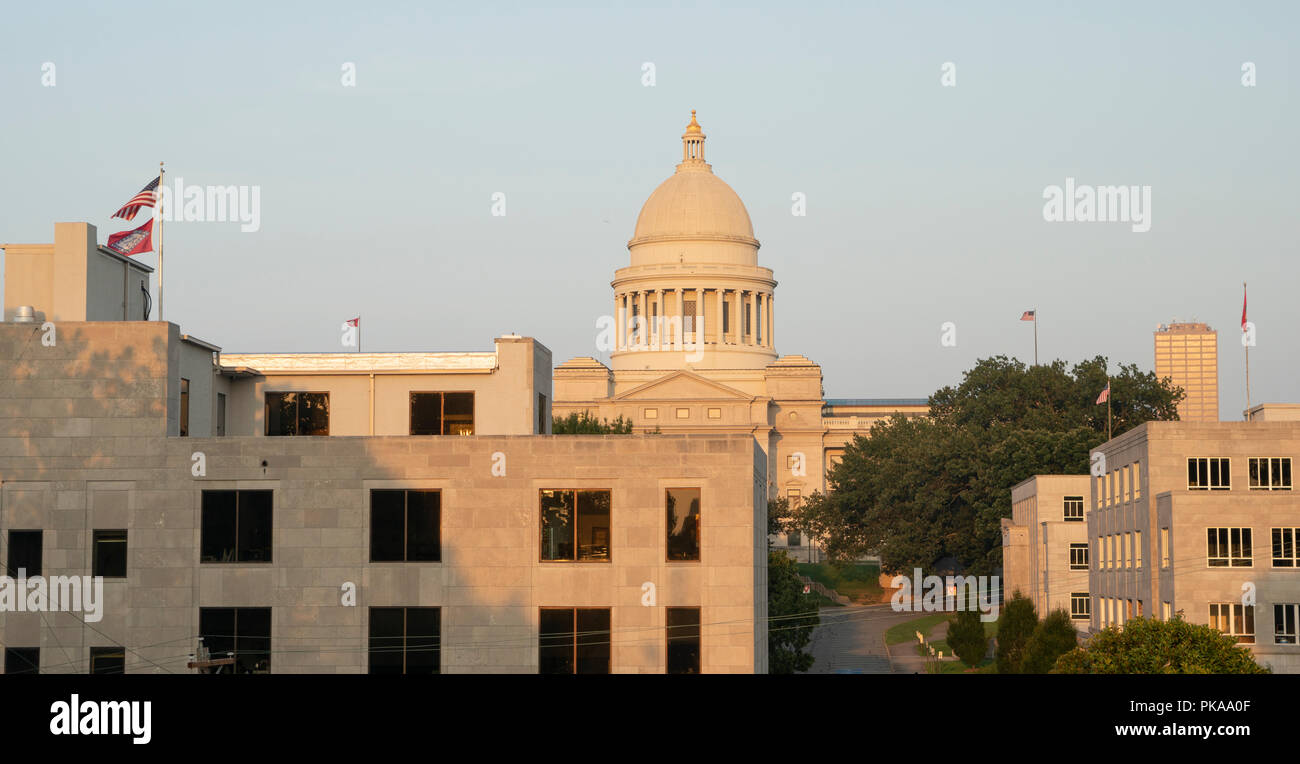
(851, 640)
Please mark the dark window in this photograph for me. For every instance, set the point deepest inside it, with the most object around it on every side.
(1079, 556)
(405, 640)
(107, 660)
(185, 407)
(1080, 605)
(794, 538)
(1270, 473)
(1073, 509)
(25, 552)
(542, 417)
(442, 413)
(1285, 548)
(1208, 474)
(243, 633)
(573, 641)
(405, 526)
(297, 413)
(221, 414)
(109, 559)
(683, 640)
(236, 526)
(575, 525)
(683, 523)
(726, 315)
(22, 660)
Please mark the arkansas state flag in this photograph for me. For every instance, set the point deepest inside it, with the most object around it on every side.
(133, 242)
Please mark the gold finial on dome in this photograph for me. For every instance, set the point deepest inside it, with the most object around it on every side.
(694, 126)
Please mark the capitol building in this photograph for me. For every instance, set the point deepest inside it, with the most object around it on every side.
(695, 350)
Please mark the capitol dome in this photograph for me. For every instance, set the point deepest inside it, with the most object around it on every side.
(693, 204)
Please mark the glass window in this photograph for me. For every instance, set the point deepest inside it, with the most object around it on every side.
(1208, 474)
(109, 557)
(573, 641)
(1235, 619)
(683, 640)
(1229, 547)
(22, 660)
(1285, 552)
(1270, 474)
(1079, 556)
(107, 660)
(1080, 606)
(683, 523)
(405, 526)
(185, 407)
(25, 552)
(405, 640)
(297, 413)
(1073, 509)
(1284, 624)
(242, 633)
(236, 526)
(221, 414)
(575, 525)
(442, 413)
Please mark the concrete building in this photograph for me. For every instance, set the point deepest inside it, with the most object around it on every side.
(329, 513)
(694, 341)
(1188, 355)
(1201, 519)
(1045, 545)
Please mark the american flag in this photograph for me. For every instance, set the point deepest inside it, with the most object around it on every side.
(1105, 395)
(1027, 316)
(147, 197)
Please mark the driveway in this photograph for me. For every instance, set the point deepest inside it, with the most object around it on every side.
(851, 640)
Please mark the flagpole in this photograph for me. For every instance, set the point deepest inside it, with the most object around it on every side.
(161, 188)
(1243, 329)
(358, 336)
(1035, 336)
(1108, 394)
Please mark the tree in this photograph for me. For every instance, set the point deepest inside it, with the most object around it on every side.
(1055, 636)
(584, 423)
(966, 637)
(1151, 646)
(792, 615)
(1015, 627)
(779, 517)
(921, 489)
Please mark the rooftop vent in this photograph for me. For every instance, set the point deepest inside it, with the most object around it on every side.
(25, 314)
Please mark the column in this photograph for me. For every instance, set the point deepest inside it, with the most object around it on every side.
(717, 332)
(618, 322)
(771, 320)
(659, 325)
(699, 317)
(750, 322)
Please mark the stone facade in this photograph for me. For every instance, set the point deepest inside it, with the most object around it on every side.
(1045, 545)
(1149, 526)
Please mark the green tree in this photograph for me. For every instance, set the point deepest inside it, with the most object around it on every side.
(584, 423)
(792, 615)
(1054, 636)
(779, 517)
(1151, 646)
(920, 489)
(1015, 626)
(966, 637)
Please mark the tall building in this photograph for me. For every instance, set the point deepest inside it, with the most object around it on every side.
(1188, 354)
(695, 345)
(344, 512)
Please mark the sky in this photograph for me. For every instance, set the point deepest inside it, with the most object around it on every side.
(924, 202)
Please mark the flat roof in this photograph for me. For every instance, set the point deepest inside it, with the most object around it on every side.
(877, 401)
(325, 363)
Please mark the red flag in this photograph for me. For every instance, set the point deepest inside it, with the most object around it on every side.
(1243, 307)
(354, 321)
(1105, 394)
(133, 242)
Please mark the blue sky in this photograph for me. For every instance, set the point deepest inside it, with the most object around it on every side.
(924, 202)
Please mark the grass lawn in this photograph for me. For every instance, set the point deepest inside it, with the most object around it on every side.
(906, 631)
(858, 582)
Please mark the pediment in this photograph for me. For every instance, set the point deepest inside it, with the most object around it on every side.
(683, 385)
